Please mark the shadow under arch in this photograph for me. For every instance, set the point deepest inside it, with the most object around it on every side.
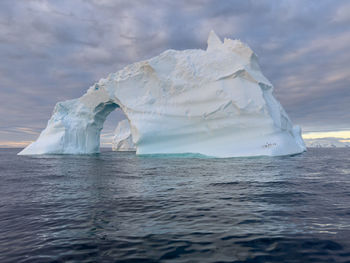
(102, 111)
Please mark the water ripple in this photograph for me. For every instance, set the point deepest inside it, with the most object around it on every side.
(117, 207)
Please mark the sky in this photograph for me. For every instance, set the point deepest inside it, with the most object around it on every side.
(54, 50)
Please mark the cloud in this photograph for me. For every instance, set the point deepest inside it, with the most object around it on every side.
(342, 14)
(328, 134)
(54, 50)
(14, 144)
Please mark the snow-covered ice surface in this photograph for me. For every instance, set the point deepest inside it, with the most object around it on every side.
(214, 102)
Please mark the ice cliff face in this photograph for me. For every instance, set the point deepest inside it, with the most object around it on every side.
(122, 140)
(214, 102)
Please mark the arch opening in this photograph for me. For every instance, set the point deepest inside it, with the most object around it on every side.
(103, 111)
(116, 134)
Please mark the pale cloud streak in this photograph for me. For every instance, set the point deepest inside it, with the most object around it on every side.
(330, 134)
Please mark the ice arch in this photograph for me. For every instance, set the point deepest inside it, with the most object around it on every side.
(75, 125)
(214, 102)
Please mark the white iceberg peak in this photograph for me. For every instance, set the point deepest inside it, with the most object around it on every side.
(213, 41)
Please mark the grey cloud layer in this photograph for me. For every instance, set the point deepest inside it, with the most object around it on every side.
(54, 50)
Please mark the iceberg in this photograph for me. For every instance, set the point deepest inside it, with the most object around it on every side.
(214, 102)
(122, 140)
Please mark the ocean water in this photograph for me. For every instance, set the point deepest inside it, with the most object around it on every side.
(117, 207)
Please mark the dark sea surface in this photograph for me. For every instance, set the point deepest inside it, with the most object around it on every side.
(117, 207)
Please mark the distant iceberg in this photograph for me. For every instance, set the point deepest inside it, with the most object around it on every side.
(122, 140)
(327, 143)
(213, 102)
